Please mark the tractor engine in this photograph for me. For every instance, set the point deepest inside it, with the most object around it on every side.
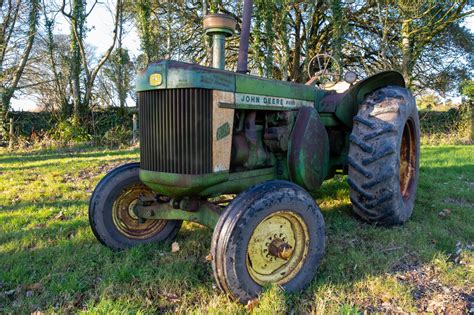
(176, 133)
(258, 139)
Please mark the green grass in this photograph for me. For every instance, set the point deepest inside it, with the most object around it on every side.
(50, 260)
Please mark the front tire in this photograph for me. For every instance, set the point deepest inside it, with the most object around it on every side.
(384, 157)
(111, 214)
(271, 233)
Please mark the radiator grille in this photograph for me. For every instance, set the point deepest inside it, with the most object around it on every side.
(176, 130)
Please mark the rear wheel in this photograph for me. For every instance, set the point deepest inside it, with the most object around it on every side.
(271, 233)
(112, 211)
(384, 157)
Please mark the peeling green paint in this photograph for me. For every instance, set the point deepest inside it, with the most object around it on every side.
(204, 215)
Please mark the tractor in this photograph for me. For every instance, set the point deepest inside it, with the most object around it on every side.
(207, 134)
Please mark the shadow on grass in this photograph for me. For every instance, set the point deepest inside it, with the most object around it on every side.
(52, 164)
(75, 270)
(36, 156)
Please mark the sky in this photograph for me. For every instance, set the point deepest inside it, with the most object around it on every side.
(100, 36)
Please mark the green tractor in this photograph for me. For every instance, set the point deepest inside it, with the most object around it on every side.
(207, 134)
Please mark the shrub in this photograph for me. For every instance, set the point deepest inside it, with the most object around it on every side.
(448, 127)
(117, 136)
(70, 131)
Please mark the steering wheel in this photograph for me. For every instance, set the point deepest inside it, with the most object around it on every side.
(324, 70)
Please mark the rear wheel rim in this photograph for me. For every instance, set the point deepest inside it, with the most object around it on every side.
(407, 160)
(282, 225)
(125, 219)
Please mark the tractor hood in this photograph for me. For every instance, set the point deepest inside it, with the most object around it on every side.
(168, 74)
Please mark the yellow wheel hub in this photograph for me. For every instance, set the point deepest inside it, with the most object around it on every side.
(125, 219)
(277, 248)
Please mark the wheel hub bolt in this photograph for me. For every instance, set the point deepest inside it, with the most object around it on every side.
(280, 249)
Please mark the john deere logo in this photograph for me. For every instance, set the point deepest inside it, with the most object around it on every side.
(223, 131)
(155, 79)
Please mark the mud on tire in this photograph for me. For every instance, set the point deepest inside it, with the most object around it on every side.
(235, 229)
(110, 217)
(384, 157)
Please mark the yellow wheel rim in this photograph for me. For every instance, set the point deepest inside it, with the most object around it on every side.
(407, 160)
(125, 219)
(277, 248)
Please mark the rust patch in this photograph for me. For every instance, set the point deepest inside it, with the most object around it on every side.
(125, 219)
(407, 160)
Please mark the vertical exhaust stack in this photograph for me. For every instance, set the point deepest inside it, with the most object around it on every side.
(219, 26)
(244, 37)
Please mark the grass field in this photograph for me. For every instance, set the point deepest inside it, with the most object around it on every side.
(51, 262)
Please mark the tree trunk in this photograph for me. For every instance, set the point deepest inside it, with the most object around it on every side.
(336, 9)
(7, 92)
(269, 44)
(5, 98)
(121, 88)
(295, 70)
(77, 31)
(407, 61)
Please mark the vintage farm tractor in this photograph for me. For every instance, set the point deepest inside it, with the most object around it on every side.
(207, 132)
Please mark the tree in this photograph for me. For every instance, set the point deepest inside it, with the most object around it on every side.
(81, 70)
(170, 30)
(55, 96)
(467, 89)
(14, 42)
(387, 34)
(50, 57)
(119, 71)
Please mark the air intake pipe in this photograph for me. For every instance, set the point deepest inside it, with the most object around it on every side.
(219, 26)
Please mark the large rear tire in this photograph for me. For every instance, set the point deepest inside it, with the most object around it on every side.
(111, 211)
(384, 157)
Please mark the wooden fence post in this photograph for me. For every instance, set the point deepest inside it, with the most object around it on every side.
(11, 135)
(135, 128)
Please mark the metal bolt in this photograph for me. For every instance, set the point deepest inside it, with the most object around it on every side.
(281, 249)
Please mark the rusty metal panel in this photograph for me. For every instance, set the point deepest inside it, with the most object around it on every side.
(222, 126)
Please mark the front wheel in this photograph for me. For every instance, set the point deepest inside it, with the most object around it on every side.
(271, 233)
(112, 216)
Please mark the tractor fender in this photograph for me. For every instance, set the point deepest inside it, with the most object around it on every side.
(308, 152)
(349, 104)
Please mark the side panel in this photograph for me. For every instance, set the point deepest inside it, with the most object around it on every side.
(247, 84)
(308, 153)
